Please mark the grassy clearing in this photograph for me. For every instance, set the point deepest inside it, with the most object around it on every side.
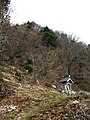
(34, 101)
(48, 99)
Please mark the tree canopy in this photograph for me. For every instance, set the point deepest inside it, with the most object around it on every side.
(49, 37)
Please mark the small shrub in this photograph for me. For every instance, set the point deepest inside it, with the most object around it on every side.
(29, 65)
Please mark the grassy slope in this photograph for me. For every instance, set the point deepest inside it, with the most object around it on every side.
(38, 103)
(30, 102)
(35, 102)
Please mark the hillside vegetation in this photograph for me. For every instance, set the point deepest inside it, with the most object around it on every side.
(32, 61)
(47, 55)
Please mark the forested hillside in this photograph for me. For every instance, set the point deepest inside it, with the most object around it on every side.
(47, 55)
(33, 59)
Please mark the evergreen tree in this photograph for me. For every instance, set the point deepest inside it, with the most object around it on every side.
(49, 37)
